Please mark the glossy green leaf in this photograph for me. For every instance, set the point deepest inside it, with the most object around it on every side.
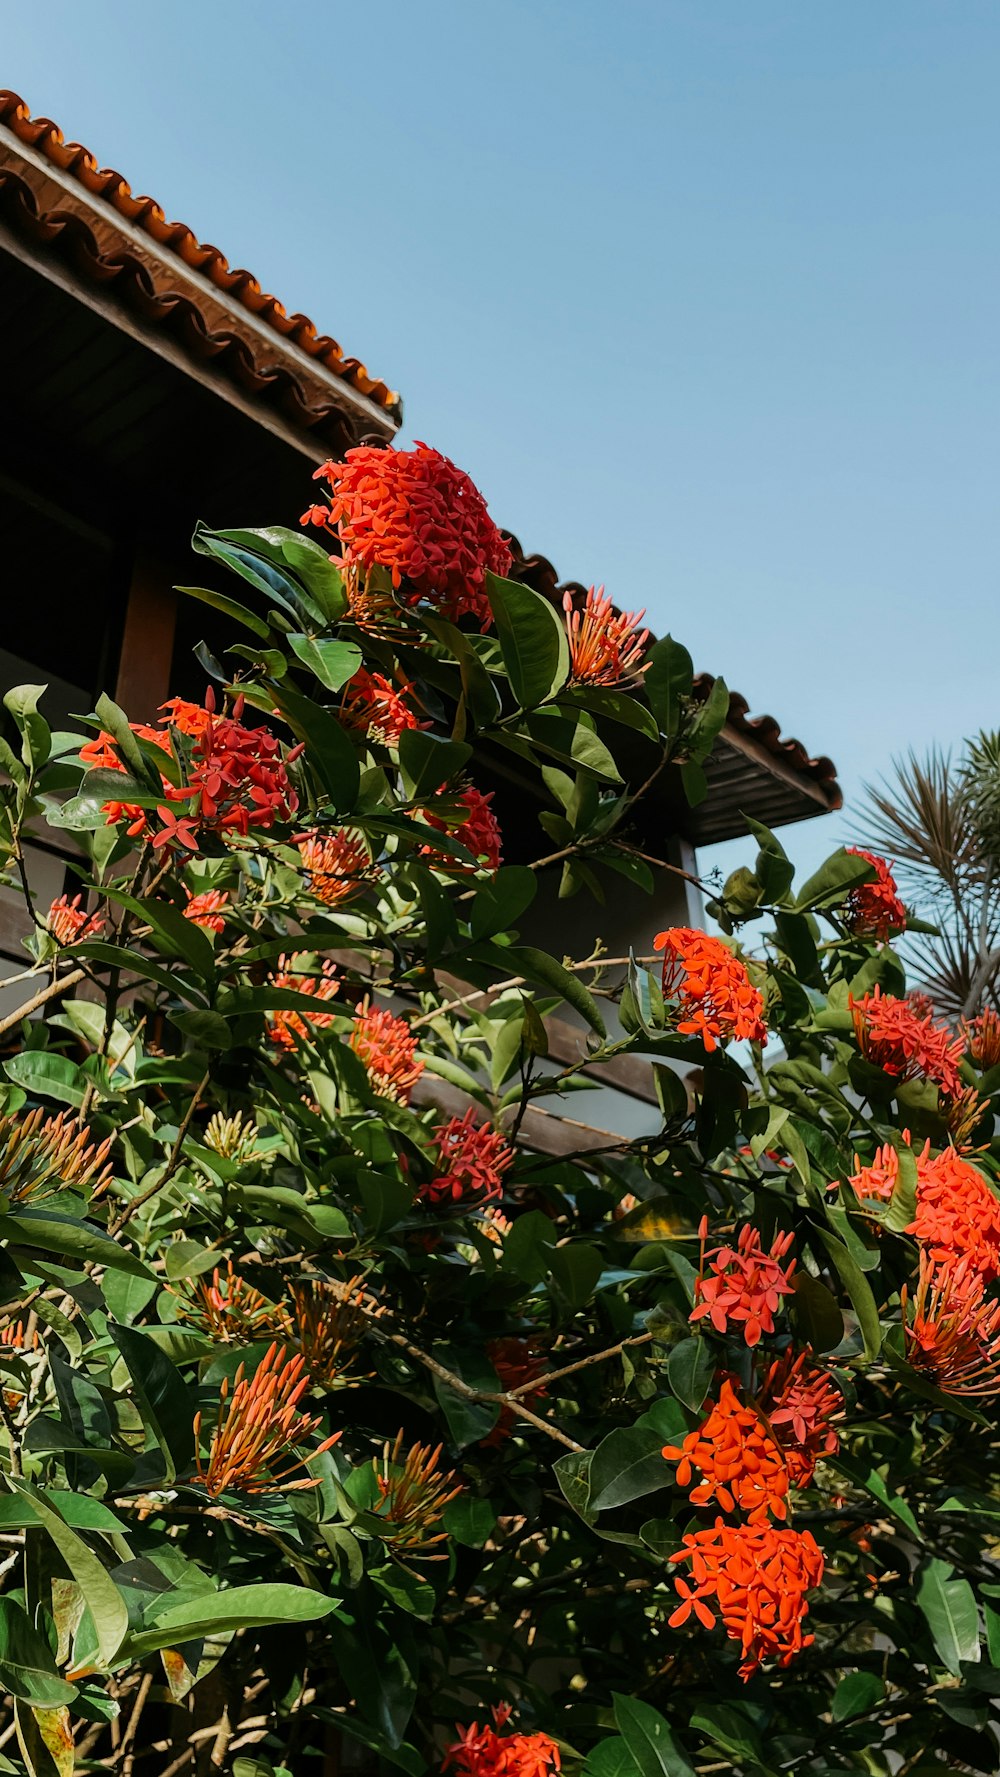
(532, 641)
(332, 662)
(649, 1739)
(239, 1607)
(168, 1407)
(104, 1601)
(27, 1668)
(627, 1465)
(667, 682)
(949, 1609)
(690, 1369)
(856, 1694)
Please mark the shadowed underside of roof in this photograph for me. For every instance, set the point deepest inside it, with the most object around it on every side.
(85, 221)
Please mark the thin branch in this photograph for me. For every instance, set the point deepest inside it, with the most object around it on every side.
(582, 1363)
(487, 1397)
(47, 993)
(144, 1197)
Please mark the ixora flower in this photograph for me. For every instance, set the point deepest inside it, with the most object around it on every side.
(713, 995)
(412, 1495)
(207, 910)
(905, 1041)
(745, 1285)
(799, 1400)
(740, 1465)
(953, 1336)
(474, 825)
(285, 1026)
(605, 645)
(371, 702)
(874, 909)
(876, 1181)
(957, 1215)
(485, 1752)
(982, 1039)
(338, 866)
(757, 1577)
(40, 1154)
(470, 1159)
(253, 1442)
(230, 1309)
(418, 516)
(68, 922)
(330, 1320)
(384, 1043)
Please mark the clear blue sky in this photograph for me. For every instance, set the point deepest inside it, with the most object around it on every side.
(703, 293)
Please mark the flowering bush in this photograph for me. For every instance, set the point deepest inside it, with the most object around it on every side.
(340, 1422)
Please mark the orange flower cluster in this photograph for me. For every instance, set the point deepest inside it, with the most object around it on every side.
(41, 1154)
(482, 1752)
(470, 1160)
(372, 703)
(604, 648)
(710, 987)
(255, 1431)
(876, 1182)
(740, 1464)
(418, 516)
(982, 1039)
(746, 1284)
(874, 909)
(330, 1321)
(757, 1578)
(338, 866)
(799, 1400)
(475, 826)
(232, 1310)
(384, 1043)
(285, 1026)
(515, 1364)
(207, 909)
(68, 923)
(905, 1042)
(412, 1496)
(233, 777)
(954, 1336)
(957, 1216)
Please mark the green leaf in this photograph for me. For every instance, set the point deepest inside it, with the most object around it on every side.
(838, 873)
(115, 722)
(329, 749)
(730, 1729)
(709, 721)
(47, 1076)
(690, 1369)
(667, 681)
(27, 1667)
(610, 1758)
(104, 1601)
(858, 1288)
(469, 1520)
(818, 1319)
(165, 1400)
(575, 1269)
(626, 1465)
(949, 1609)
(216, 1613)
(649, 1739)
(532, 641)
(856, 1694)
(501, 900)
(173, 933)
(36, 738)
(80, 1240)
(332, 662)
(428, 763)
(229, 607)
(80, 1510)
(537, 965)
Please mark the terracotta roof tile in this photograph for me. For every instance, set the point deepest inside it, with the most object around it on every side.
(104, 258)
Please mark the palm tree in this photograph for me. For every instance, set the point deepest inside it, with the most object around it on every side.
(941, 827)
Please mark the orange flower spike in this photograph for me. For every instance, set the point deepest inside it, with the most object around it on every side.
(373, 703)
(207, 910)
(874, 909)
(953, 1336)
(757, 1577)
(412, 1495)
(475, 826)
(710, 988)
(982, 1039)
(256, 1430)
(330, 1321)
(229, 1308)
(68, 923)
(470, 1160)
(904, 1040)
(338, 866)
(41, 1154)
(745, 1285)
(604, 646)
(740, 1464)
(286, 1026)
(384, 1043)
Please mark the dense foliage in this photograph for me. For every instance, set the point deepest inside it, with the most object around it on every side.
(339, 1426)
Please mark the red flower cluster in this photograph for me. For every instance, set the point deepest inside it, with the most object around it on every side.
(515, 1364)
(954, 1336)
(905, 1042)
(604, 648)
(338, 866)
(958, 1216)
(373, 703)
(874, 909)
(482, 1752)
(68, 923)
(384, 1043)
(233, 777)
(740, 1464)
(982, 1039)
(710, 987)
(799, 1401)
(207, 909)
(757, 1577)
(417, 515)
(287, 1025)
(470, 1159)
(746, 1285)
(475, 826)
